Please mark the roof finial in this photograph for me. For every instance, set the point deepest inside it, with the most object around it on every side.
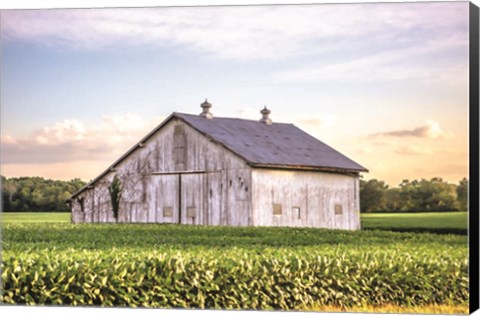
(265, 119)
(206, 110)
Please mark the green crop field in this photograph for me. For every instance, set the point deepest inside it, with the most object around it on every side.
(440, 222)
(155, 265)
(447, 222)
(34, 217)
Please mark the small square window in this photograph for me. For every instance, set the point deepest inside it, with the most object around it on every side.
(191, 211)
(338, 209)
(277, 209)
(296, 212)
(168, 212)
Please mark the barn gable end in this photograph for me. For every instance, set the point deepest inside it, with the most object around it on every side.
(176, 176)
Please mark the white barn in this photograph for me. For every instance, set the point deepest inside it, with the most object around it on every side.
(204, 170)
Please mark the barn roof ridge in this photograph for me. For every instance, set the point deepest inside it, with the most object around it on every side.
(229, 118)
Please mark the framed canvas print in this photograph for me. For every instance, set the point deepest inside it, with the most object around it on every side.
(300, 157)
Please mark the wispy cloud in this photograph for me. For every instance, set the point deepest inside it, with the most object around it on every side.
(72, 140)
(259, 32)
(391, 64)
(430, 130)
(413, 150)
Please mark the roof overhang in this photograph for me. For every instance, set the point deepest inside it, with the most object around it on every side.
(306, 168)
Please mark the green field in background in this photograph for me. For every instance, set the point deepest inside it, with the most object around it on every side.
(440, 222)
(34, 217)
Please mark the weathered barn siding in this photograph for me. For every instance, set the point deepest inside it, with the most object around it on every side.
(305, 198)
(177, 176)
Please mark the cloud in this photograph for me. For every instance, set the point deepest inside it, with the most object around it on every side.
(73, 140)
(364, 150)
(316, 122)
(413, 150)
(241, 32)
(391, 64)
(430, 130)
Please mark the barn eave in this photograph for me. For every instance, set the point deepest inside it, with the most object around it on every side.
(307, 168)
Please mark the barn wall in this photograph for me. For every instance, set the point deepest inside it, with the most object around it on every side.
(160, 184)
(306, 199)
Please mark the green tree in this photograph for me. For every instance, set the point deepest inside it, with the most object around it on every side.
(462, 194)
(36, 194)
(372, 195)
(428, 195)
(393, 200)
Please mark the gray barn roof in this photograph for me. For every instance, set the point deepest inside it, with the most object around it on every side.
(275, 145)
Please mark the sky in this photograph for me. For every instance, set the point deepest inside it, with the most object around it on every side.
(386, 84)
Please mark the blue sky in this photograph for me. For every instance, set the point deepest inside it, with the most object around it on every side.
(384, 83)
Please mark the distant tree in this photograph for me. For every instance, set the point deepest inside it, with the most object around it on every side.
(462, 194)
(412, 196)
(36, 194)
(428, 195)
(372, 195)
(393, 201)
(10, 189)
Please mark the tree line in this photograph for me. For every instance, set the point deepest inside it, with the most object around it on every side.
(413, 196)
(36, 194)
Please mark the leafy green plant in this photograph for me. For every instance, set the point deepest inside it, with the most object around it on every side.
(115, 190)
(258, 268)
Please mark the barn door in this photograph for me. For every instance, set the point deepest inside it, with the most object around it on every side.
(167, 201)
(192, 191)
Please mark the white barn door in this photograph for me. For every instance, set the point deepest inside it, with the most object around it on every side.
(167, 199)
(192, 209)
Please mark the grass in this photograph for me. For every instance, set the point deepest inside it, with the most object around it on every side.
(435, 222)
(41, 242)
(428, 271)
(34, 217)
(446, 222)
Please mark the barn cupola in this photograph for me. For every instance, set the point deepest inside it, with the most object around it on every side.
(206, 110)
(265, 119)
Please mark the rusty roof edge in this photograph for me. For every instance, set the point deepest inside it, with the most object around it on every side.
(125, 155)
(306, 168)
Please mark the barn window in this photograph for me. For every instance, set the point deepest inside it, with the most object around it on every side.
(168, 211)
(338, 209)
(211, 193)
(82, 204)
(179, 146)
(277, 209)
(191, 211)
(296, 212)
